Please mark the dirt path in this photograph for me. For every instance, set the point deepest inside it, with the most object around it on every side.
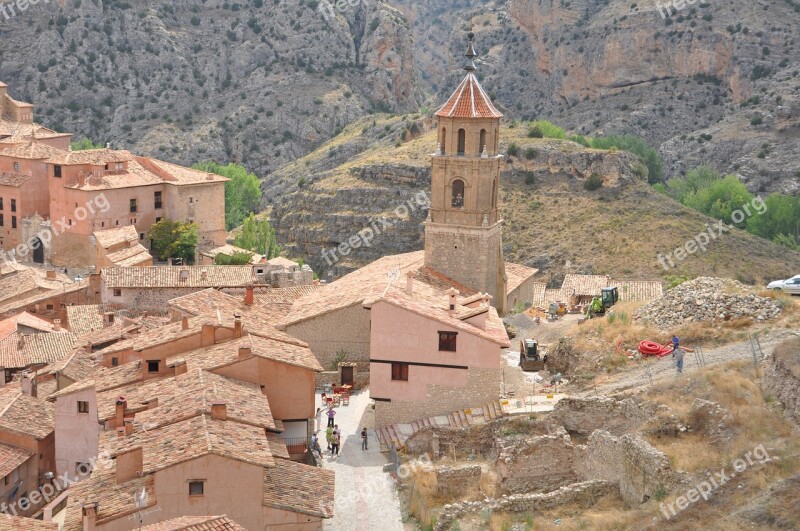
(664, 368)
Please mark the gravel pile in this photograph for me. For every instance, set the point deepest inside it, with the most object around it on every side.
(707, 299)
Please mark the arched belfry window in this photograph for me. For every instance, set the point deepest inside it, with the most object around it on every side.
(494, 194)
(483, 141)
(458, 194)
(462, 141)
(444, 141)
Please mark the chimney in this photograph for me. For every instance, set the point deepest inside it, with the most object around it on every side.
(410, 283)
(180, 368)
(184, 323)
(245, 350)
(237, 325)
(89, 512)
(248, 296)
(57, 325)
(119, 412)
(207, 335)
(51, 274)
(21, 342)
(487, 300)
(129, 426)
(129, 465)
(154, 402)
(28, 385)
(121, 432)
(452, 293)
(219, 410)
(204, 273)
(88, 348)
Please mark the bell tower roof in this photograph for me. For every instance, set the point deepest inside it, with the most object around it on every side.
(469, 100)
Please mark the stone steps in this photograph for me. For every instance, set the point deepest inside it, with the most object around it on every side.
(397, 434)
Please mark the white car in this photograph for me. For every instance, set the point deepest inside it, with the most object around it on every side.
(791, 286)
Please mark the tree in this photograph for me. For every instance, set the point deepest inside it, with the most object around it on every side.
(85, 143)
(777, 219)
(694, 181)
(172, 239)
(242, 191)
(637, 146)
(238, 258)
(258, 235)
(720, 199)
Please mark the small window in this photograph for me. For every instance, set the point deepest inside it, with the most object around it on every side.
(157, 199)
(16, 166)
(83, 406)
(458, 194)
(118, 293)
(141, 235)
(158, 220)
(105, 167)
(400, 372)
(49, 306)
(447, 341)
(462, 142)
(70, 222)
(115, 362)
(133, 205)
(5, 480)
(191, 200)
(13, 222)
(2, 223)
(57, 171)
(196, 488)
(120, 165)
(13, 205)
(1, 203)
(152, 366)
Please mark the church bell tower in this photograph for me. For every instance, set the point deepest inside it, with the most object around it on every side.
(463, 237)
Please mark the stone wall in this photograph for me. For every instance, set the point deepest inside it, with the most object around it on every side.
(585, 415)
(476, 440)
(629, 461)
(483, 387)
(457, 482)
(782, 378)
(344, 330)
(536, 464)
(584, 494)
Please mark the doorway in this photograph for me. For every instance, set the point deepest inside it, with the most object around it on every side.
(38, 251)
(347, 375)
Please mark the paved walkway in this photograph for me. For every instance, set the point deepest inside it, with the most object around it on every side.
(366, 498)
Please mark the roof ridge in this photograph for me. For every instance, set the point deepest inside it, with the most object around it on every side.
(11, 403)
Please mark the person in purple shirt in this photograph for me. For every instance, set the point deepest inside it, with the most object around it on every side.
(331, 414)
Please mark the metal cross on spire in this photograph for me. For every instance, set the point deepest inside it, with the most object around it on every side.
(471, 54)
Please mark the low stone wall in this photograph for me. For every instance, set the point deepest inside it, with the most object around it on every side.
(629, 461)
(782, 378)
(457, 482)
(585, 494)
(476, 440)
(536, 464)
(585, 415)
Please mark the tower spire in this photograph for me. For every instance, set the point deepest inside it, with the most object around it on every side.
(471, 54)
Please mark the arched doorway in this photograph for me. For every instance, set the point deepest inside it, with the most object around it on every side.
(38, 251)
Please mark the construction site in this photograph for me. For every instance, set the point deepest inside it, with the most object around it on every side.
(597, 427)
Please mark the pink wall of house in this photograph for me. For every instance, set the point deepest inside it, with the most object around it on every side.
(400, 335)
(76, 433)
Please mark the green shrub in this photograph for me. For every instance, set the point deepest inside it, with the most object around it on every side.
(594, 182)
(513, 149)
(530, 153)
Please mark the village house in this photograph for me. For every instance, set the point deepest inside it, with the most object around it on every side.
(120, 248)
(196, 523)
(54, 200)
(27, 447)
(432, 351)
(45, 294)
(20, 352)
(185, 440)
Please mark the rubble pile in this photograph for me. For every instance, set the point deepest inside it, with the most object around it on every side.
(707, 299)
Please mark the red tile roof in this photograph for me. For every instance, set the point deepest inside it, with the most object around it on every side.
(196, 523)
(18, 523)
(11, 458)
(469, 101)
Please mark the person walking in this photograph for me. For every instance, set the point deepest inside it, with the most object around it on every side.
(315, 445)
(331, 413)
(337, 441)
(364, 441)
(329, 437)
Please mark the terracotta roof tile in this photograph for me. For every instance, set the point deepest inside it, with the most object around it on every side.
(18, 523)
(283, 262)
(11, 458)
(196, 523)
(230, 250)
(638, 290)
(32, 150)
(178, 277)
(23, 414)
(469, 101)
(84, 318)
(77, 366)
(299, 488)
(110, 237)
(517, 274)
(227, 353)
(104, 379)
(135, 256)
(10, 325)
(352, 289)
(192, 438)
(18, 351)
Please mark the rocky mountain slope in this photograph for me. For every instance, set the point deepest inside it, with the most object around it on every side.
(379, 164)
(254, 81)
(263, 82)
